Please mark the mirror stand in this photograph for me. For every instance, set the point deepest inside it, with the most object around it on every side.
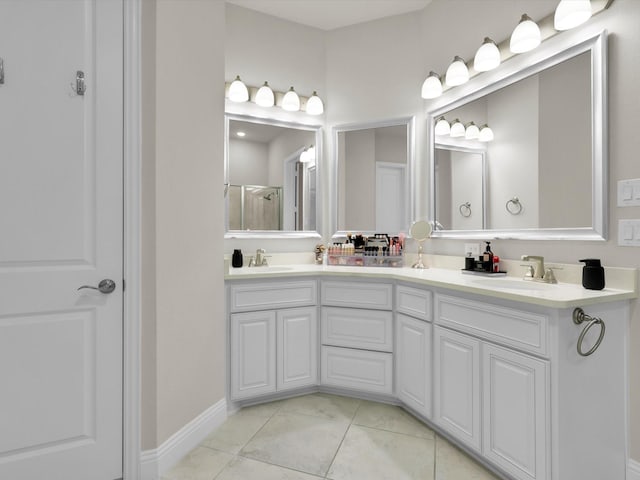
(419, 263)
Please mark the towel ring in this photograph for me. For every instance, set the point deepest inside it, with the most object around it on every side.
(465, 209)
(513, 206)
(579, 317)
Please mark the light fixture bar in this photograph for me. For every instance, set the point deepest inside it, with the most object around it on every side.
(278, 96)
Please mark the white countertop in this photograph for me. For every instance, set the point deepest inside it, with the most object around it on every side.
(560, 295)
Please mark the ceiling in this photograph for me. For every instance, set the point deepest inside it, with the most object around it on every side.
(255, 132)
(331, 14)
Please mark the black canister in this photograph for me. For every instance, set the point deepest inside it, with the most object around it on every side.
(236, 259)
(592, 274)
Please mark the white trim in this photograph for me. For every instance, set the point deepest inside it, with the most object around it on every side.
(131, 240)
(155, 463)
(633, 470)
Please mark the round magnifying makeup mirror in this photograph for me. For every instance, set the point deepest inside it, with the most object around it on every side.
(420, 231)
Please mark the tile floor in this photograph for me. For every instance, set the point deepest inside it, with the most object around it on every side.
(325, 436)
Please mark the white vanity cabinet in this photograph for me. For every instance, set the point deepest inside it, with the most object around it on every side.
(493, 397)
(413, 349)
(357, 335)
(274, 345)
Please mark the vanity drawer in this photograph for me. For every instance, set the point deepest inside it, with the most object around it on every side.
(414, 302)
(357, 369)
(357, 295)
(272, 295)
(357, 328)
(507, 326)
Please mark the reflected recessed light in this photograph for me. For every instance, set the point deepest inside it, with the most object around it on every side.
(240, 134)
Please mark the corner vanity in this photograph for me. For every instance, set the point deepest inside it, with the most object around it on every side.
(492, 364)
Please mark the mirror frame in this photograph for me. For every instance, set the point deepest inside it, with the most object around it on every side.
(553, 51)
(461, 146)
(410, 123)
(319, 191)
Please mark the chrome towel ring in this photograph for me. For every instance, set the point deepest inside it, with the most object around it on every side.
(514, 206)
(578, 318)
(465, 209)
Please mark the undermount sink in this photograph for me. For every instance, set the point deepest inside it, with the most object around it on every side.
(513, 284)
(270, 269)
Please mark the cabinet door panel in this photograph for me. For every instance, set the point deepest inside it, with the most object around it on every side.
(457, 385)
(515, 412)
(253, 353)
(413, 363)
(297, 347)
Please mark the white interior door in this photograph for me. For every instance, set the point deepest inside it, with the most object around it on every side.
(61, 227)
(391, 194)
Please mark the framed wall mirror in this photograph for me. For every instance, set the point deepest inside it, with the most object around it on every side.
(545, 174)
(373, 163)
(460, 187)
(271, 172)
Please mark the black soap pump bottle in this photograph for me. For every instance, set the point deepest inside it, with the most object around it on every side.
(236, 258)
(487, 258)
(592, 274)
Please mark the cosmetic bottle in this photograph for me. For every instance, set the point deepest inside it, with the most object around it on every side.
(487, 258)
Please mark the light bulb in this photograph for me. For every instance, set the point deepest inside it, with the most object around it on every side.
(457, 129)
(291, 101)
(238, 91)
(487, 57)
(432, 86)
(526, 35)
(486, 134)
(442, 127)
(315, 105)
(571, 13)
(472, 131)
(457, 73)
(311, 154)
(265, 97)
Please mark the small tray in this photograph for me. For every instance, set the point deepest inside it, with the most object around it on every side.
(484, 273)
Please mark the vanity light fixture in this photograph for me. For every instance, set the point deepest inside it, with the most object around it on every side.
(472, 131)
(442, 127)
(457, 73)
(486, 134)
(432, 86)
(238, 91)
(457, 129)
(291, 101)
(315, 105)
(487, 57)
(265, 96)
(526, 36)
(571, 13)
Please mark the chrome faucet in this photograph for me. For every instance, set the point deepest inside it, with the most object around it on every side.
(538, 272)
(260, 259)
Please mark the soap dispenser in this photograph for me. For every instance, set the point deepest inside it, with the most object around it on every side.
(592, 274)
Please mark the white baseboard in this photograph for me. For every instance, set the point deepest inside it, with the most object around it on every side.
(155, 463)
(633, 470)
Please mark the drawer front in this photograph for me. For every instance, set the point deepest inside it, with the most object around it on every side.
(357, 328)
(414, 302)
(378, 296)
(272, 295)
(508, 326)
(357, 369)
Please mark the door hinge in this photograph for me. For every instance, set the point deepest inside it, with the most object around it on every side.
(124, 286)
